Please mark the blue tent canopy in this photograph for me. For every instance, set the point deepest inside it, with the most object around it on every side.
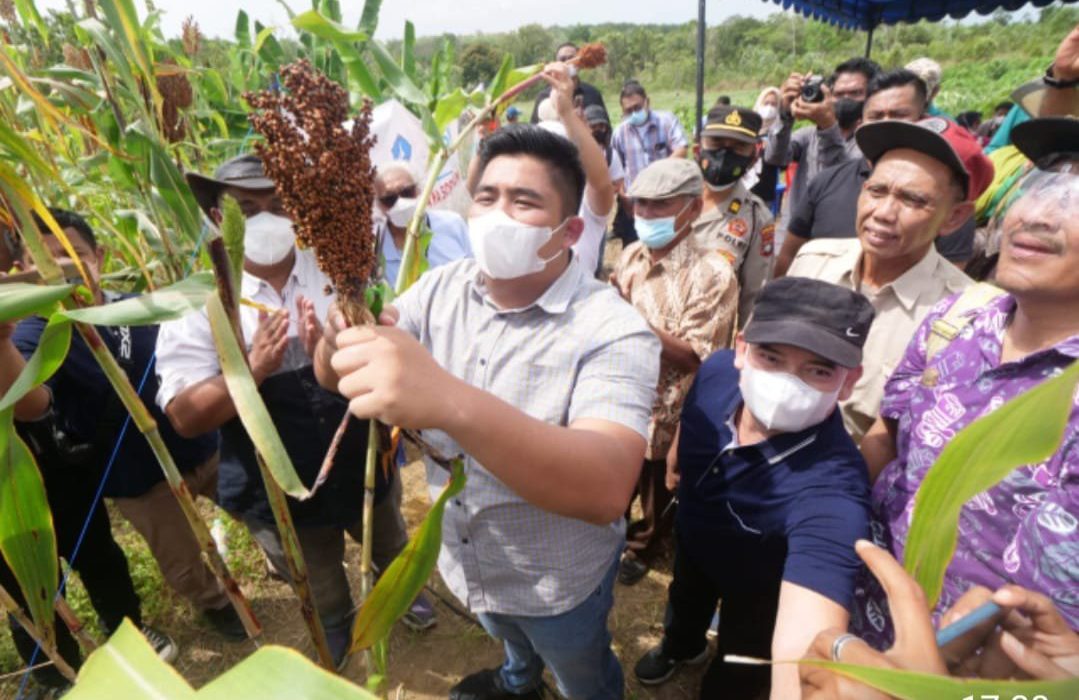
(867, 14)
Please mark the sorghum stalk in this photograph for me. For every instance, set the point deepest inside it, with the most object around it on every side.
(290, 541)
(74, 624)
(324, 177)
(8, 604)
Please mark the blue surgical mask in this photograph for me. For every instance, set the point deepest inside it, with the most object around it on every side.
(638, 118)
(656, 233)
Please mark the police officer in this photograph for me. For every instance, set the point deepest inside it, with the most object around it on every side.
(279, 345)
(735, 222)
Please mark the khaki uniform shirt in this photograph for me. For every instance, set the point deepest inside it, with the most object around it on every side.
(691, 294)
(742, 231)
(901, 307)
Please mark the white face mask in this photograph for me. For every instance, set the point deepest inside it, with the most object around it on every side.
(268, 238)
(505, 248)
(401, 212)
(783, 402)
(768, 113)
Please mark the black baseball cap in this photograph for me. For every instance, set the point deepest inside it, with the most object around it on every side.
(595, 114)
(243, 171)
(739, 123)
(1045, 136)
(823, 318)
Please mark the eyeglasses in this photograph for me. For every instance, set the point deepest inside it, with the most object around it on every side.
(389, 200)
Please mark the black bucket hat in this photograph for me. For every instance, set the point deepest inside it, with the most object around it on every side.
(244, 172)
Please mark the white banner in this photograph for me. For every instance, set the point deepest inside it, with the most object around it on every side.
(401, 138)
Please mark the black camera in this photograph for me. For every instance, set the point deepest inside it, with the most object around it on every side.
(813, 89)
(52, 446)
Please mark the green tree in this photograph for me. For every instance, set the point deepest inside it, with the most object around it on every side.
(532, 44)
(479, 63)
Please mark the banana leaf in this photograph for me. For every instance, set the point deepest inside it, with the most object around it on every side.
(408, 50)
(344, 42)
(249, 405)
(405, 576)
(1026, 430)
(127, 667)
(449, 108)
(243, 30)
(369, 16)
(907, 685)
(399, 82)
(500, 83)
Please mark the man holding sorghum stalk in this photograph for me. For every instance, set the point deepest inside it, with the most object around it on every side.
(544, 378)
(279, 344)
(689, 295)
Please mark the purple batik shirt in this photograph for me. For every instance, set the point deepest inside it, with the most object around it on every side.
(1024, 530)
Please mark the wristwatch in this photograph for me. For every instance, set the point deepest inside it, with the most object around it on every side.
(1054, 82)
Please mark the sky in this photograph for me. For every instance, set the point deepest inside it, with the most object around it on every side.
(434, 17)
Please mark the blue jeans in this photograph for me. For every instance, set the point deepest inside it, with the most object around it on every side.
(576, 645)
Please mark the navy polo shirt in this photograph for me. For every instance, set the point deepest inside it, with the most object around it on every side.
(89, 411)
(788, 508)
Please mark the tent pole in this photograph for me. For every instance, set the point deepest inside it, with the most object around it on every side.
(869, 42)
(700, 69)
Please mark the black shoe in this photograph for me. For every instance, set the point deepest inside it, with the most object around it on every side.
(487, 685)
(226, 622)
(656, 667)
(631, 570)
(37, 691)
(161, 642)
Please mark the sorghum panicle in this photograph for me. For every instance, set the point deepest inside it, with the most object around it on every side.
(322, 171)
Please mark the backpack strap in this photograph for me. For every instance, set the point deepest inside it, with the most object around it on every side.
(948, 327)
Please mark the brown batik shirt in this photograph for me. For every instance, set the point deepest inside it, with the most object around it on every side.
(691, 294)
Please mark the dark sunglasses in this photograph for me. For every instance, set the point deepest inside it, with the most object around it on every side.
(389, 200)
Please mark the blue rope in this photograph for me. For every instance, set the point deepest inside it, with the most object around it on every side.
(101, 486)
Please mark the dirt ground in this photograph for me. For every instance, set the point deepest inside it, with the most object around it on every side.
(423, 665)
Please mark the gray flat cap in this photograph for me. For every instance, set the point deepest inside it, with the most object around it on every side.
(669, 177)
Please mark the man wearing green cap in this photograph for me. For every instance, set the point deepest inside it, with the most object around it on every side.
(688, 295)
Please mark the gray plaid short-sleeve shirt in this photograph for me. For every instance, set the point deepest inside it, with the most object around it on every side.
(579, 351)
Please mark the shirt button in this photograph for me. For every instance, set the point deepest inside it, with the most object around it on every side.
(483, 363)
(458, 502)
(715, 470)
(464, 540)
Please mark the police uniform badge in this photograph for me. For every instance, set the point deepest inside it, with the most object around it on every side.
(768, 240)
